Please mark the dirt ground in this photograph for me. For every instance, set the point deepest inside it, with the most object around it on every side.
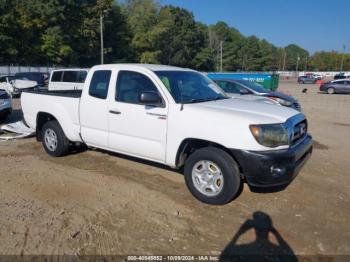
(97, 203)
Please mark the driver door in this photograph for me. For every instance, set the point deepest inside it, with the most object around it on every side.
(134, 128)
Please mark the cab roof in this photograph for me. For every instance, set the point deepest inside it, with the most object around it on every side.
(151, 67)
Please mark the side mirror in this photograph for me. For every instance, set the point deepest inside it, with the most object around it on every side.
(150, 99)
(244, 91)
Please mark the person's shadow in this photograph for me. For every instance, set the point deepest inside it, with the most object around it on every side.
(262, 249)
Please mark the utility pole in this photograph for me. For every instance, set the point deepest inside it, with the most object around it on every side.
(101, 32)
(284, 59)
(342, 59)
(221, 43)
(296, 68)
(306, 58)
(243, 61)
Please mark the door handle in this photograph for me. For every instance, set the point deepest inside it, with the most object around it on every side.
(115, 112)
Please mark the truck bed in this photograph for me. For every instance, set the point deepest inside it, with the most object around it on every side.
(63, 93)
(60, 105)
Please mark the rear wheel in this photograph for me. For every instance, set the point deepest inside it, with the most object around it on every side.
(54, 140)
(331, 91)
(212, 176)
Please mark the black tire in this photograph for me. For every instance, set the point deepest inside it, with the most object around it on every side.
(231, 176)
(331, 91)
(3, 117)
(62, 144)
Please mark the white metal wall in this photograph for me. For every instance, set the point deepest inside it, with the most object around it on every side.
(11, 70)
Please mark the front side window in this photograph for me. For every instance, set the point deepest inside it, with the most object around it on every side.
(230, 87)
(252, 85)
(131, 84)
(56, 76)
(70, 76)
(99, 84)
(190, 87)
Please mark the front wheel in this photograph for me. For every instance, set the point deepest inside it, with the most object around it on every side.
(212, 176)
(330, 91)
(54, 140)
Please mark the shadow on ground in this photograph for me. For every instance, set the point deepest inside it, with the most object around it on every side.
(262, 248)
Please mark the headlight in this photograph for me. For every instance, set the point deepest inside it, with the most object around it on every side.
(273, 135)
(281, 101)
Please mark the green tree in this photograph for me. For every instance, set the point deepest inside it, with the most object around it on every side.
(295, 55)
(232, 42)
(9, 33)
(142, 17)
(182, 39)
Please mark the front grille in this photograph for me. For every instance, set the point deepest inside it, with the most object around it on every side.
(299, 132)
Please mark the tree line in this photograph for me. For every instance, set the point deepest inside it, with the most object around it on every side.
(67, 33)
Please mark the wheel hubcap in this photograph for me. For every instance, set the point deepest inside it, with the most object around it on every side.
(207, 178)
(50, 139)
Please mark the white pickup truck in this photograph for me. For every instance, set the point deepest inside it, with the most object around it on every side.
(179, 118)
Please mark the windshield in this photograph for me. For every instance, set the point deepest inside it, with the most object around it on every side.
(190, 87)
(254, 86)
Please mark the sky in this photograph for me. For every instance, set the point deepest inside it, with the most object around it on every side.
(312, 24)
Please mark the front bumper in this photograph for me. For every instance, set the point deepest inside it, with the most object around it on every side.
(273, 168)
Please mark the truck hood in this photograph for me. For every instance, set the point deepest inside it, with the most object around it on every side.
(255, 98)
(249, 110)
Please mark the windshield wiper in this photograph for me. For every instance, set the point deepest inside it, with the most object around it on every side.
(197, 100)
(200, 100)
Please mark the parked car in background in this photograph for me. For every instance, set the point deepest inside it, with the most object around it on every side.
(307, 79)
(5, 104)
(316, 76)
(341, 76)
(336, 86)
(179, 118)
(14, 85)
(241, 87)
(40, 78)
(67, 79)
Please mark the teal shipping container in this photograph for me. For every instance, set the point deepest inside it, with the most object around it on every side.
(269, 81)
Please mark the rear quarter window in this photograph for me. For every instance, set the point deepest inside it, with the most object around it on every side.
(56, 76)
(99, 84)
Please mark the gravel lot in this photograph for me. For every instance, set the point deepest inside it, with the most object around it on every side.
(95, 202)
